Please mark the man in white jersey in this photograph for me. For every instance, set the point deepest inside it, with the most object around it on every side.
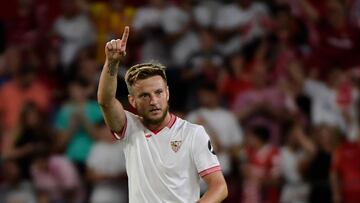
(165, 155)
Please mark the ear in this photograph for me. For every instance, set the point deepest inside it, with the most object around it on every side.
(132, 101)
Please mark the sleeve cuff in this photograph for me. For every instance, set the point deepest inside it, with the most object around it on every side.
(209, 171)
(121, 134)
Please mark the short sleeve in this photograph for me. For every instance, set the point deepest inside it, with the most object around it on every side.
(128, 128)
(203, 153)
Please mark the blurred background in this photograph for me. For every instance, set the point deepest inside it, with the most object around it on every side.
(274, 82)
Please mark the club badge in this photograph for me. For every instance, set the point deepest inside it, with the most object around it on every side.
(175, 145)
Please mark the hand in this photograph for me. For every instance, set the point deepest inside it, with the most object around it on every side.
(115, 50)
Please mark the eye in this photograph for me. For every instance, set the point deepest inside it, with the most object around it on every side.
(143, 96)
(158, 92)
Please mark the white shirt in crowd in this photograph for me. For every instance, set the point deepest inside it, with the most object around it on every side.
(232, 16)
(108, 159)
(226, 128)
(326, 110)
(295, 190)
(172, 20)
(166, 166)
(76, 33)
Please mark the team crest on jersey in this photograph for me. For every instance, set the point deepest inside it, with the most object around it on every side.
(175, 145)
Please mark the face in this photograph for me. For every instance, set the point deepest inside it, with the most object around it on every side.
(150, 98)
(208, 98)
(77, 93)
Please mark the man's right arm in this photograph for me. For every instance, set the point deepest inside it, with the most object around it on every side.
(112, 109)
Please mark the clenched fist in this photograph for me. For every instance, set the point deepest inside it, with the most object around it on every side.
(115, 50)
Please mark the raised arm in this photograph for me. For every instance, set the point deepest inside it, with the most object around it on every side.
(113, 111)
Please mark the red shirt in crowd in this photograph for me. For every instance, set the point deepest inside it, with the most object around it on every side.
(346, 164)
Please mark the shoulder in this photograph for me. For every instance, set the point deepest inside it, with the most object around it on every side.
(187, 125)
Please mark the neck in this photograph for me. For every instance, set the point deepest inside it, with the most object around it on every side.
(159, 126)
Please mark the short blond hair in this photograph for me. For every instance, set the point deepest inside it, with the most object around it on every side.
(143, 71)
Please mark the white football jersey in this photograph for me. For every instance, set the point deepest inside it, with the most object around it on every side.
(166, 166)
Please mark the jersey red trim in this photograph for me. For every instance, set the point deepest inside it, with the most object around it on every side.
(169, 124)
(120, 135)
(209, 171)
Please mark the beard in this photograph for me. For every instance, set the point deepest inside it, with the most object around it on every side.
(151, 121)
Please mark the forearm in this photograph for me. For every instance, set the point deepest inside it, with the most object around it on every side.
(217, 188)
(214, 195)
(108, 83)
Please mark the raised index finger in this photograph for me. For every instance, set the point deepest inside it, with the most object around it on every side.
(125, 36)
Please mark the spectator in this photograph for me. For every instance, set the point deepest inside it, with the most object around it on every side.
(55, 177)
(109, 18)
(221, 125)
(264, 104)
(333, 101)
(15, 189)
(345, 173)
(203, 66)
(239, 23)
(234, 80)
(206, 63)
(72, 41)
(295, 189)
(259, 167)
(224, 130)
(147, 26)
(182, 39)
(316, 166)
(23, 87)
(205, 12)
(24, 141)
(87, 70)
(333, 37)
(106, 168)
(74, 124)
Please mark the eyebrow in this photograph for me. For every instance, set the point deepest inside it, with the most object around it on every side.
(147, 93)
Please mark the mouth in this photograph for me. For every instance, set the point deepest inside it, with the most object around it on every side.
(155, 110)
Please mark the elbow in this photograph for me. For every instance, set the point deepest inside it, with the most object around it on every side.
(102, 104)
(224, 191)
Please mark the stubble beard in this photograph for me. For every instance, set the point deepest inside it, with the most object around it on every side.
(155, 122)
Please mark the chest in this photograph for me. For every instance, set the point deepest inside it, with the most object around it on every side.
(168, 150)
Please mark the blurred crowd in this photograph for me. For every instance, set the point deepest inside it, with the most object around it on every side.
(274, 82)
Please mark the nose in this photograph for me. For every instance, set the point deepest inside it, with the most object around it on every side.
(153, 99)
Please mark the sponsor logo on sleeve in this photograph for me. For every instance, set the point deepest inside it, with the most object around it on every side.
(211, 148)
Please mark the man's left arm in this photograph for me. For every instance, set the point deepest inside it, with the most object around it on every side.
(208, 168)
(217, 189)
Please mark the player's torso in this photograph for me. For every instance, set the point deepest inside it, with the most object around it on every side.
(161, 163)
